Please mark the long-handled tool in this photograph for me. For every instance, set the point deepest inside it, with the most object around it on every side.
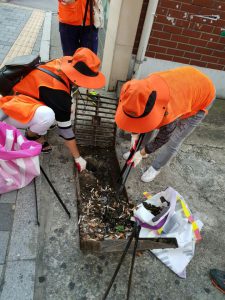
(55, 192)
(36, 202)
(134, 235)
(127, 167)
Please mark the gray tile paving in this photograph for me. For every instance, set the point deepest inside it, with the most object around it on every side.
(1, 269)
(19, 281)
(17, 262)
(13, 20)
(45, 42)
(36, 48)
(6, 216)
(8, 197)
(4, 239)
(24, 233)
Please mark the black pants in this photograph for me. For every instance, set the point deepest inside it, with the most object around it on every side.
(74, 37)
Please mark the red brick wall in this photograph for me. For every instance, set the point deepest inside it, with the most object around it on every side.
(180, 36)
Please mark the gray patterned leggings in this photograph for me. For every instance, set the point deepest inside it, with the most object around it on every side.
(183, 130)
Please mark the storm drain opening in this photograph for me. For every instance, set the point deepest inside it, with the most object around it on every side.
(104, 217)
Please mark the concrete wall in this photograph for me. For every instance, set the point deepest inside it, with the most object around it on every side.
(151, 65)
(121, 30)
(102, 31)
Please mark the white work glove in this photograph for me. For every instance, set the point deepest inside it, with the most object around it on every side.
(135, 159)
(133, 145)
(134, 140)
(80, 163)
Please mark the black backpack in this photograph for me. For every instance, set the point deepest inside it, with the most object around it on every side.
(16, 69)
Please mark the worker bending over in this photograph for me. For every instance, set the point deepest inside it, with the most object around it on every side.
(41, 98)
(174, 102)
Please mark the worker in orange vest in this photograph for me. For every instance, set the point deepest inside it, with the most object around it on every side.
(174, 102)
(79, 21)
(41, 98)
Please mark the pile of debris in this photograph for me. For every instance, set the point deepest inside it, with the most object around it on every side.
(102, 215)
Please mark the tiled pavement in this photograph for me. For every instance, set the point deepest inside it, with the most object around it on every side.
(18, 244)
(20, 31)
(12, 21)
(20, 34)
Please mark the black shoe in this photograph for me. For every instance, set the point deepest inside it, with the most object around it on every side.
(218, 279)
(52, 126)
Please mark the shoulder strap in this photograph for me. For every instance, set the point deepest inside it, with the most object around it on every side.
(91, 13)
(85, 13)
(53, 75)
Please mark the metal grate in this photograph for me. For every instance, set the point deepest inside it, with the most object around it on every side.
(94, 123)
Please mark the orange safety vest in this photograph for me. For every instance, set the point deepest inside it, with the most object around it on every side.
(21, 107)
(73, 13)
(189, 92)
(30, 84)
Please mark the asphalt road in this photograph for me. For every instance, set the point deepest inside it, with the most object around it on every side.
(41, 4)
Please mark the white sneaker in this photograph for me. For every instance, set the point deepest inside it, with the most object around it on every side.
(149, 175)
(126, 155)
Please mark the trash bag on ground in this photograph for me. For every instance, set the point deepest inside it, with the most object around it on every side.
(19, 159)
(167, 214)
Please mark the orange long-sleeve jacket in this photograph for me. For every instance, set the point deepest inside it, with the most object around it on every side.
(73, 14)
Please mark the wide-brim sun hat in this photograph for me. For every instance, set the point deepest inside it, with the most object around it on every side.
(142, 104)
(83, 69)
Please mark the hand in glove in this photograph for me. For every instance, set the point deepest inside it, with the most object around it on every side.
(136, 159)
(134, 140)
(80, 163)
(133, 145)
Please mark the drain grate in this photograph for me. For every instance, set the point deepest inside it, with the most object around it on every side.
(94, 123)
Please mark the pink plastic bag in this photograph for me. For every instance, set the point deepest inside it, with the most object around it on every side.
(19, 160)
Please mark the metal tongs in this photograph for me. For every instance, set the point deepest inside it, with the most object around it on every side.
(127, 167)
(134, 236)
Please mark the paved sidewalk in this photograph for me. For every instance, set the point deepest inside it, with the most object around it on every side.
(21, 30)
(20, 34)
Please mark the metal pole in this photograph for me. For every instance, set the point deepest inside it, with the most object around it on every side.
(36, 204)
(127, 168)
(55, 192)
(137, 232)
(119, 264)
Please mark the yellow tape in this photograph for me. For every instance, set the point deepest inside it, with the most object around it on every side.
(194, 226)
(160, 230)
(147, 195)
(188, 214)
(184, 207)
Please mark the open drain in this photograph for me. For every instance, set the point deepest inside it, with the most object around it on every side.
(104, 217)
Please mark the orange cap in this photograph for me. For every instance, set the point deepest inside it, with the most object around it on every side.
(83, 69)
(142, 104)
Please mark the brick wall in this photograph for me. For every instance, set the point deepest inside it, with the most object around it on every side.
(179, 34)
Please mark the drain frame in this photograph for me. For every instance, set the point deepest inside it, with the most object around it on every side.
(94, 126)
